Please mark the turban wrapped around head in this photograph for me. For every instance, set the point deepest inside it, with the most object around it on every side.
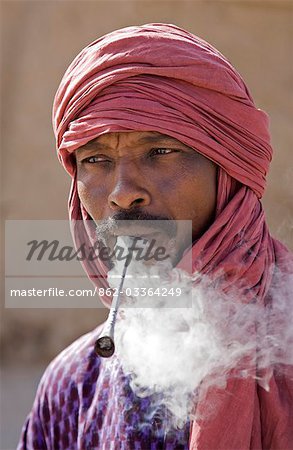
(158, 77)
(130, 78)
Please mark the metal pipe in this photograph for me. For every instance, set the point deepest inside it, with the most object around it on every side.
(104, 345)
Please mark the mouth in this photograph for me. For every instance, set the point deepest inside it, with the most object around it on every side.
(135, 233)
(146, 246)
(141, 238)
(142, 228)
(147, 250)
(145, 236)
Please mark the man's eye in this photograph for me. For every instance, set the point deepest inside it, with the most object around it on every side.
(95, 159)
(162, 151)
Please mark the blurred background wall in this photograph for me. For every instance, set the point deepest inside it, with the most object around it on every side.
(39, 39)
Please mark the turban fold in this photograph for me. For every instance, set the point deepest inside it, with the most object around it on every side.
(158, 77)
(129, 79)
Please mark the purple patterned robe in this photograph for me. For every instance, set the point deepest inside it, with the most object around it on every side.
(85, 402)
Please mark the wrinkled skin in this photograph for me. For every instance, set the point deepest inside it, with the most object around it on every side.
(148, 175)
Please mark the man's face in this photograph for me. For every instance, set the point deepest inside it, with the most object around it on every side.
(147, 174)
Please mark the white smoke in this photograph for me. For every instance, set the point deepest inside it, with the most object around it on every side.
(177, 347)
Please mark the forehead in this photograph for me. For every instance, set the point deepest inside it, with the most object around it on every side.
(127, 138)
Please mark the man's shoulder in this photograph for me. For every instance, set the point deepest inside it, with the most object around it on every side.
(67, 384)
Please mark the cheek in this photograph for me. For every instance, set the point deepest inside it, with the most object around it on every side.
(195, 195)
(204, 190)
(92, 197)
(198, 185)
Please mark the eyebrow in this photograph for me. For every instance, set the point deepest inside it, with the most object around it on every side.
(148, 139)
(155, 138)
(92, 145)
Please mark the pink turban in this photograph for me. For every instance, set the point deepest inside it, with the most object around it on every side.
(158, 77)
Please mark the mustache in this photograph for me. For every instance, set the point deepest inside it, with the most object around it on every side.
(122, 220)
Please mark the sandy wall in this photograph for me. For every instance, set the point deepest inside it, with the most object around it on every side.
(39, 39)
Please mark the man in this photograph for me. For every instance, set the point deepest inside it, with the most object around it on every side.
(152, 122)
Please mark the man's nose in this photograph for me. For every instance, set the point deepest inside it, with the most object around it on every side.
(128, 191)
